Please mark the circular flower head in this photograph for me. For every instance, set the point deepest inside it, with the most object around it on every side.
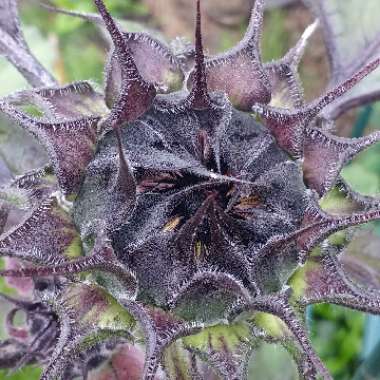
(180, 212)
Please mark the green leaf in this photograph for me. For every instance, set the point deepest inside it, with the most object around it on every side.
(93, 306)
(176, 362)
(225, 348)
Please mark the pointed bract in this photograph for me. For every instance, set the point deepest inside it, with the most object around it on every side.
(115, 199)
(125, 185)
(316, 227)
(155, 62)
(70, 145)
(325, 155)
(286, 87)
(196, 231)
(47, 233)
(288, 126)
(279, 306)
(102, 260)
(239, 72)
(327, 281)
(75, 100)
(199, 98)
(352, 37)
(342, 199)
(160, 330)
(226, 349)
(135, 95)
(87, 316)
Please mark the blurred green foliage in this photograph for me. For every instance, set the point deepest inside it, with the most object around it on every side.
(275, 41)
(121, 8)
(26, 373)
(337, 336)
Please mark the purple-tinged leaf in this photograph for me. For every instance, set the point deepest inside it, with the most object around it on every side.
(352, 38)
(360, 259)
(155, 62)
(288, 126)
(70, 145)
(36, 184)
(178, 364)
(286, 87)
(13, 207)
(316, 227)
(325, 155)
(75, 100)
(102, 259)
(14, 48)
(28, 190)
(279, 306)
(239, 72)
(225, 348)
(47, 233)
(342, 199)
(19, 150)
(88, 315)
(94, 308)
(160, 330)
(135, 94)
(14, 197)
(326, 280)
(23, 194)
